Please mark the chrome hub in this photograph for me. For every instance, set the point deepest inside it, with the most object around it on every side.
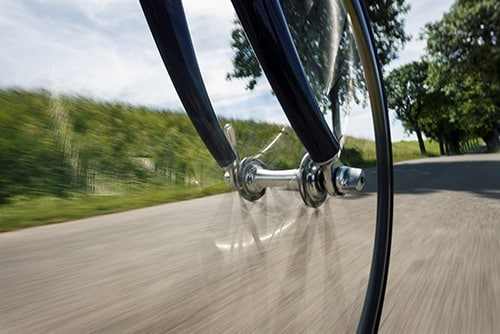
(314, 181)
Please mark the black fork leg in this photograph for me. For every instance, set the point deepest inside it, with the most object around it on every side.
(168, 24)
(268, 33)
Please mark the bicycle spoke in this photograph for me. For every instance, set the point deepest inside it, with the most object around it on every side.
(318, 56)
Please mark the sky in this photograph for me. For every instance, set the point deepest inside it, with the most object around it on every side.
(103, 49)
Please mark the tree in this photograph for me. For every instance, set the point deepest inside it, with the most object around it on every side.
(387, 19)
(406, 89)
(320, 33)
(464, 55)
(435, 123)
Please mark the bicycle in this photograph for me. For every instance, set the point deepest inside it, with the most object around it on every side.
(320, 173)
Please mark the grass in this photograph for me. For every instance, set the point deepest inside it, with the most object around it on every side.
(26, 212)
(408, 150)
(361, 152)
(22, 213)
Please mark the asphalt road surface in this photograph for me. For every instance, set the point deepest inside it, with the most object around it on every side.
(223, 265)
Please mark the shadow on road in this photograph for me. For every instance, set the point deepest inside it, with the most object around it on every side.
(479, 177)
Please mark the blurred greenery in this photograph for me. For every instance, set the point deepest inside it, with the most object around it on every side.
(22, 212)
(67, 145)
(68, 157)
(361, 152)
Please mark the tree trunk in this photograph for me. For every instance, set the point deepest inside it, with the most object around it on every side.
(492, 140)
(454, 146)
(441, 146)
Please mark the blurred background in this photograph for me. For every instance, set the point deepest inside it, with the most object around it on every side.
(90, 124)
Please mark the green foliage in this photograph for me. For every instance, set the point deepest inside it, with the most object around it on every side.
(61, 146)
(245, 61)
(406, 88)
(69, 157)
(311, 31)
(361, 152)
(388, 25)
(28, 149)
(325, 45)
(408, 150)
(464, 55)
(25, 212)
(48, 209)
(453, 95)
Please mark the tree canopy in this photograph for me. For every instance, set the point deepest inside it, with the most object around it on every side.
(311, 24)
(464, 58)
(406, 88)
(452, 95)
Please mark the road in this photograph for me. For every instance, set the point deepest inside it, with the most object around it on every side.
(223, 265)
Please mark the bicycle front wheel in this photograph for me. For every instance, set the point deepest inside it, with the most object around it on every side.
(282, 257)
(306, 50)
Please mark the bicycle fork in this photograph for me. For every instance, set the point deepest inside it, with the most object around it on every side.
(249, 176)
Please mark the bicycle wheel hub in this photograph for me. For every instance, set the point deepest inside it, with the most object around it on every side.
(314, 181)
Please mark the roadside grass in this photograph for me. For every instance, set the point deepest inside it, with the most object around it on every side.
(28, 212)
(409, 150)
(361, 152)
(24, 212)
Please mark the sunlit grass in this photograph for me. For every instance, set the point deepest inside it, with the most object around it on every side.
(361, 152)
(27, 212)
(24, 212)
(409, 150)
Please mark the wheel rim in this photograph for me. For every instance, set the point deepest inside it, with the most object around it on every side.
(354, 15)
(372, 306)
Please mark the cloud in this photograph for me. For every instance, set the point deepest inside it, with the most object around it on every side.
(72, 53)
(103, 49)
